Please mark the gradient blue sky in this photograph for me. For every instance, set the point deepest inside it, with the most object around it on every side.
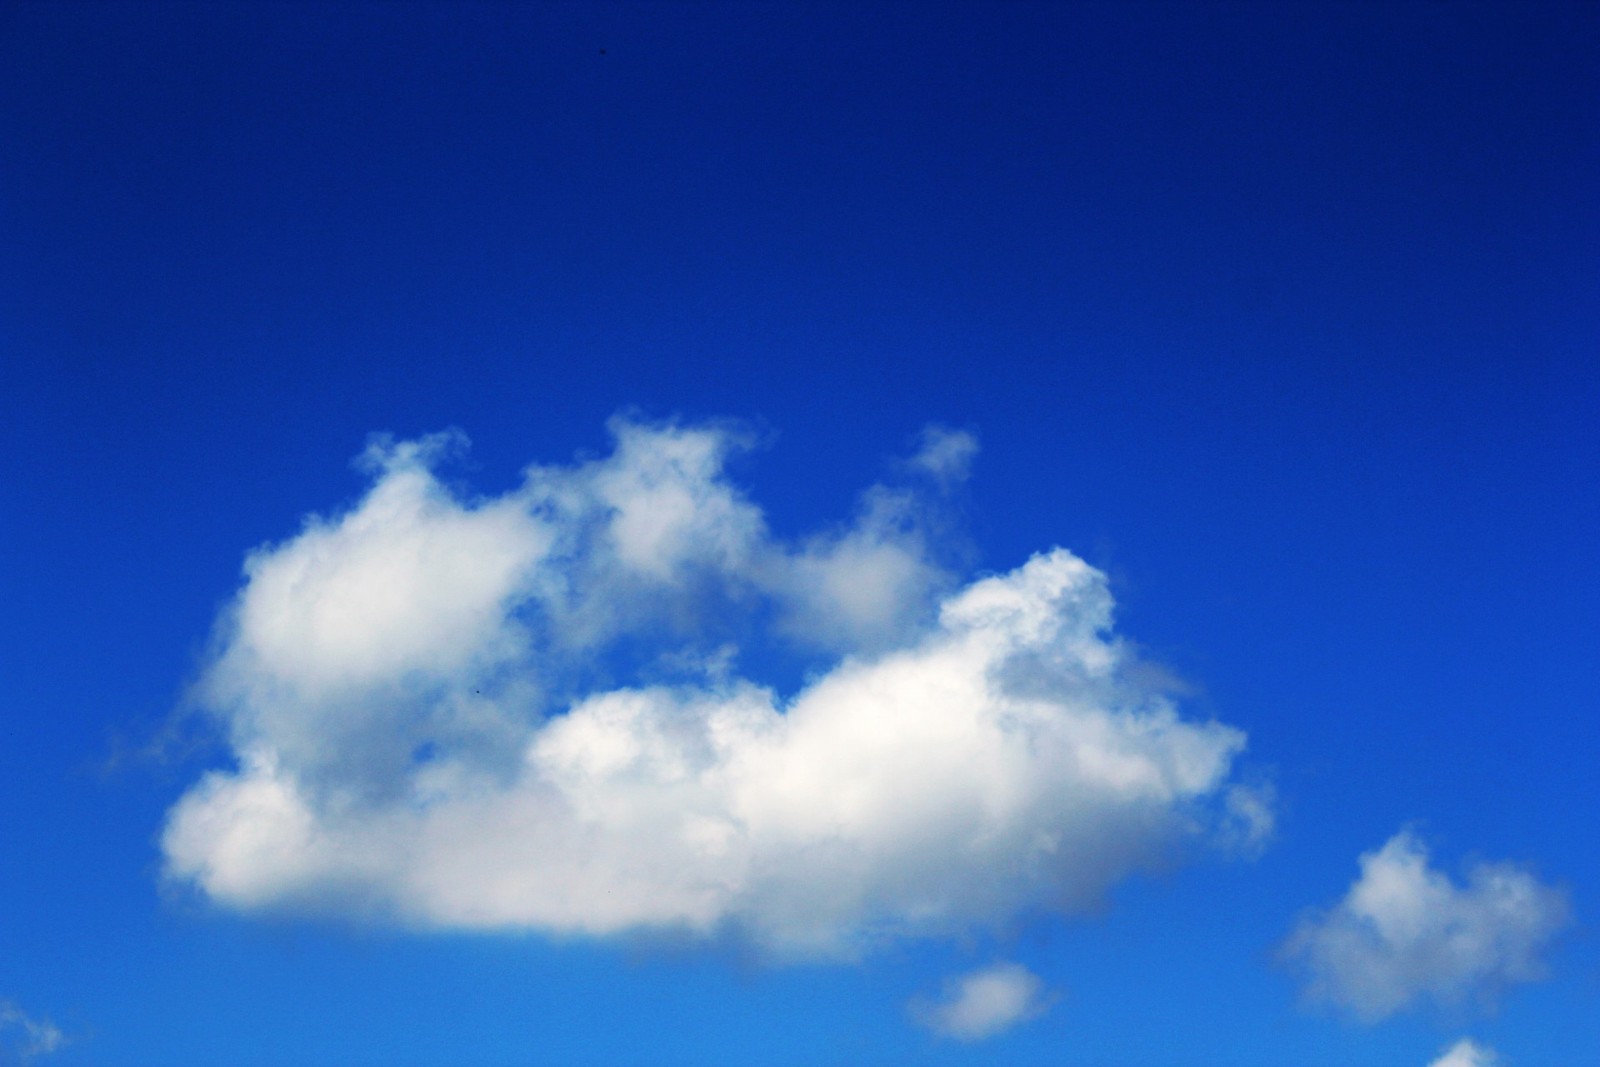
(1284, 316)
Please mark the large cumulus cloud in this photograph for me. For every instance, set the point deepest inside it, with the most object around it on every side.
(527, 712)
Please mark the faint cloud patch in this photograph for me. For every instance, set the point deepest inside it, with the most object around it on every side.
(23, 1037)
(945, 454)
(983, 1003)
(1249, 818)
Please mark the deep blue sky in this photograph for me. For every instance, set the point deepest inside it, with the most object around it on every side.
(1284, 315)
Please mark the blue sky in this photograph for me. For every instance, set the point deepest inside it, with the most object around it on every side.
(725, 700)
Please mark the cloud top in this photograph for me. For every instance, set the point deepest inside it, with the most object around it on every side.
(1407, 933)
(1466, 1053)
(984, 1003)
(525, 712)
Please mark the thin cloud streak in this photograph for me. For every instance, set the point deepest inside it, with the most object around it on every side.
(27, 1036)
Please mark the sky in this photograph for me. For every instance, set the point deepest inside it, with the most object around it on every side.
(799, 534)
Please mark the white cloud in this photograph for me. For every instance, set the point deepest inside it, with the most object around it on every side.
(1250, 818)
(863, 587)
(1466, 1053)
(984, 1003)
(1406, 932)
(25, 1036)
(423, 699)
(945, 454)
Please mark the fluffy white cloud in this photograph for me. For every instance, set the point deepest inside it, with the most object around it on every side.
(984, 1003)
(24, 1036)
(1406, 932)
(424, 703)
(1466, 1053)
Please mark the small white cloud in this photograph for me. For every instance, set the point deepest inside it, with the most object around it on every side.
(984, 1003)
(1466, 1053)
(862, 588)
(945, 454)
(26, 1036)
(437, 718)
(1249, 818)
(1406, 932)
